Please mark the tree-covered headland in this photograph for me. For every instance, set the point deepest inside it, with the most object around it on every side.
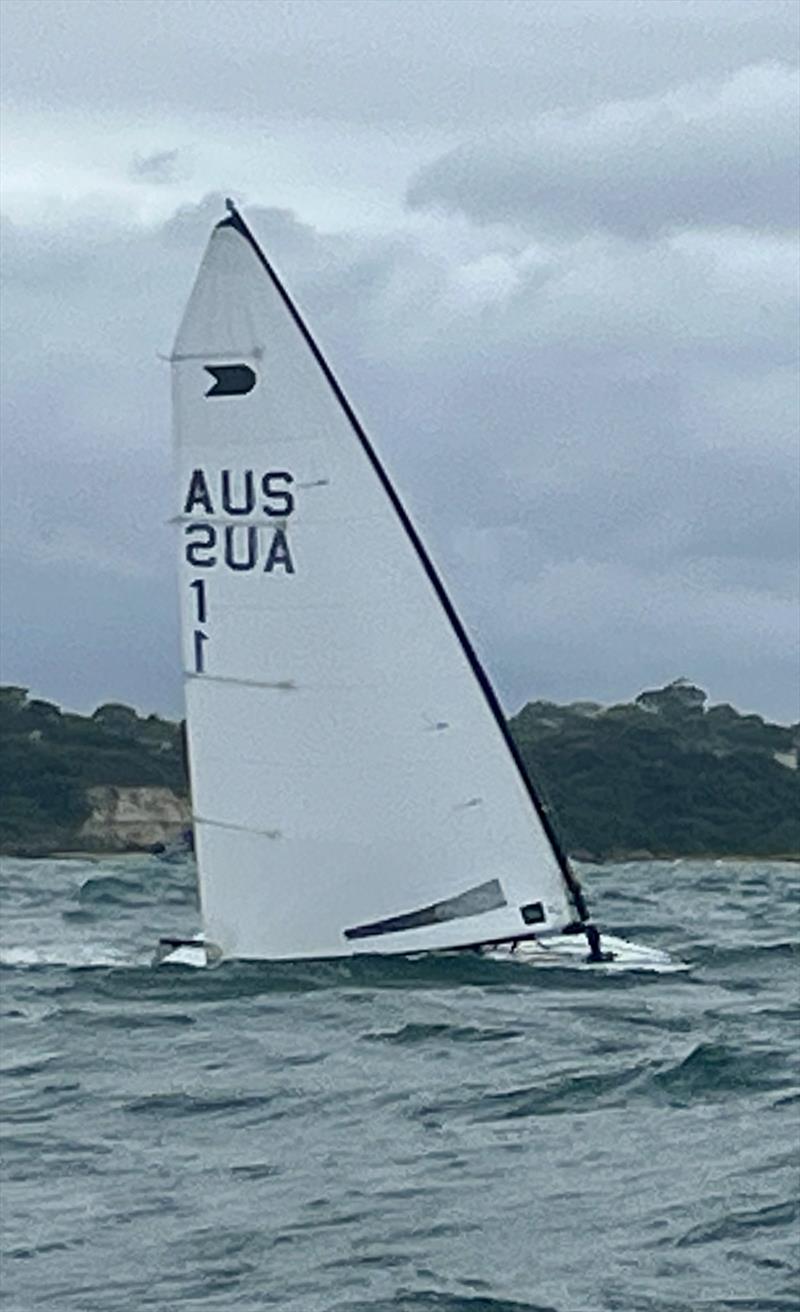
(664, 775)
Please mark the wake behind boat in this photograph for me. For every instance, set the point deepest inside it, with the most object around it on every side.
(355, 786)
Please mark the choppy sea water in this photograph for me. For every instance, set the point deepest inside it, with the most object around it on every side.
(433, 1136)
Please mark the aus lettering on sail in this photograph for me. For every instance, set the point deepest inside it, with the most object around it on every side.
(244, 496)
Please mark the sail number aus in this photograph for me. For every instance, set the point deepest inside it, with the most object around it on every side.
(234, 495)
(235, 545)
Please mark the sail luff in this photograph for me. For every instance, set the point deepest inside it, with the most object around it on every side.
(234, 220)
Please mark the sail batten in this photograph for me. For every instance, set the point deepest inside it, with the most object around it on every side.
(333, 695)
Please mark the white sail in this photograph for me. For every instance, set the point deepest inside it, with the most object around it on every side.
(354, 789)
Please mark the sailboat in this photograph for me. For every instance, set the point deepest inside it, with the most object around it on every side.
(355, 787)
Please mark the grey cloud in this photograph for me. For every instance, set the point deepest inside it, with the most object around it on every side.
(616, 628)
(159, 167)
(703, 155)
(408, 63)
(595, 432)
(583, 444)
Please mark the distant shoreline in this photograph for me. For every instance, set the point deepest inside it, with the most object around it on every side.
(621, 859)
(721, 858)
(626, 782)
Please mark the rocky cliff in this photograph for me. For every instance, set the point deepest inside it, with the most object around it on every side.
(113, 781)
(124, 819)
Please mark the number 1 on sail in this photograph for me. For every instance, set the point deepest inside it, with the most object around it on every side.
(199, 639)
(198, 586)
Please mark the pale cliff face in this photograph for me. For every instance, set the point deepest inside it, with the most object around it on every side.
(125, 818)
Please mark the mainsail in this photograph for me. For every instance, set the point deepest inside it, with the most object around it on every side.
(354, 785)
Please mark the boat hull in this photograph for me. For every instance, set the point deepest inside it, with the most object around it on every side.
(566, 951)
(571, 952)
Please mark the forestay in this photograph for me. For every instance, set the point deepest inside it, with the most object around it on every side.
(353, 787)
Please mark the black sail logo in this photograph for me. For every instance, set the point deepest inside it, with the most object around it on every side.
(230, 379)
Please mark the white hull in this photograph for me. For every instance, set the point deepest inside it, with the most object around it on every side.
(566, 951)
(187, 954)
(571, 951)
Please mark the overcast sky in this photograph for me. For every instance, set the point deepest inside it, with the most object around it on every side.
(551, 251)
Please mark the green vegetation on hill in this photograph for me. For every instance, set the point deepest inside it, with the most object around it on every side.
(49, 758)
(665, 775)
